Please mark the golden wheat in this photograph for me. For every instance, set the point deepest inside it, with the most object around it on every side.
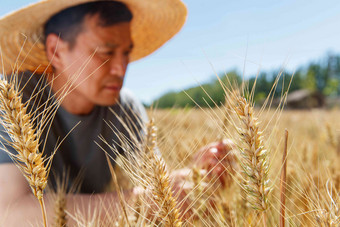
(253, 155)
(60, 219)
(24, 139)
(159, 182)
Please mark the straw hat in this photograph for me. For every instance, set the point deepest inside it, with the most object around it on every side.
(21, 32)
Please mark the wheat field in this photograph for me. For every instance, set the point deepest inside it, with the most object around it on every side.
(312, 182)
(312, 163)
(248, 189)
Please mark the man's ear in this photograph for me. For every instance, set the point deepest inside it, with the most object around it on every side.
(54, 49)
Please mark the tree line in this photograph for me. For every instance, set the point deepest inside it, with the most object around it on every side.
(319, 76)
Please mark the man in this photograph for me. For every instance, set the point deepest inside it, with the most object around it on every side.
(84, 47)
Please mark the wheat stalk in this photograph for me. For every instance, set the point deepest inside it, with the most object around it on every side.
(120, 195)
(159, 182)
(283, 182)
(60, 219)
(254, 156)
(148, 170)
(60, 204)
(24, 139)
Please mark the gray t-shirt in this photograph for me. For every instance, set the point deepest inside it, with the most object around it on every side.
(78, 155)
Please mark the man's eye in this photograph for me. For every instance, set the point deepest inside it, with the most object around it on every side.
(108, 53)
(127, 53)
(105, 53)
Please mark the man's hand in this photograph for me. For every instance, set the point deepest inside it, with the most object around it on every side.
(218, 159)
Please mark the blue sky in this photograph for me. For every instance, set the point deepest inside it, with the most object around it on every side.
(221, 35)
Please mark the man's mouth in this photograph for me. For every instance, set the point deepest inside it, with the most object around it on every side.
(113, 87)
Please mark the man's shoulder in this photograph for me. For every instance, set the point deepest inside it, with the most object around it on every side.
(127, 97)
(129, 100)
(130, 103)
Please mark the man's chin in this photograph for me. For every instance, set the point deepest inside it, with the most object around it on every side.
(109, 102)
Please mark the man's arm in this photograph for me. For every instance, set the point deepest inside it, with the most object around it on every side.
(19, 207)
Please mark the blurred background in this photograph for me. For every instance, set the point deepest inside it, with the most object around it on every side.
(244, 38)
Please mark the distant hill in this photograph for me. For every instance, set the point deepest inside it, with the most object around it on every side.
(322, 76)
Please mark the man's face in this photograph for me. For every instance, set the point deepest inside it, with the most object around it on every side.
(97, 63)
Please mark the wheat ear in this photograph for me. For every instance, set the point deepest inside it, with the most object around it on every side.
(147, 169)
(254, 156)
(24, 139)
(60, 219)
(159, 181)
(60, 202)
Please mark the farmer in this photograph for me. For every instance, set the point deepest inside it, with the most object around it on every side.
(83, 48)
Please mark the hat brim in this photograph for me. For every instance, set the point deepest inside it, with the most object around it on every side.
(21, 32)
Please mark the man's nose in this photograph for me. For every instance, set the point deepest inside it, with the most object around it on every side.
(117, 65)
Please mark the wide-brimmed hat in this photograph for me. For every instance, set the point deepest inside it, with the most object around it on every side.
(21, 32)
